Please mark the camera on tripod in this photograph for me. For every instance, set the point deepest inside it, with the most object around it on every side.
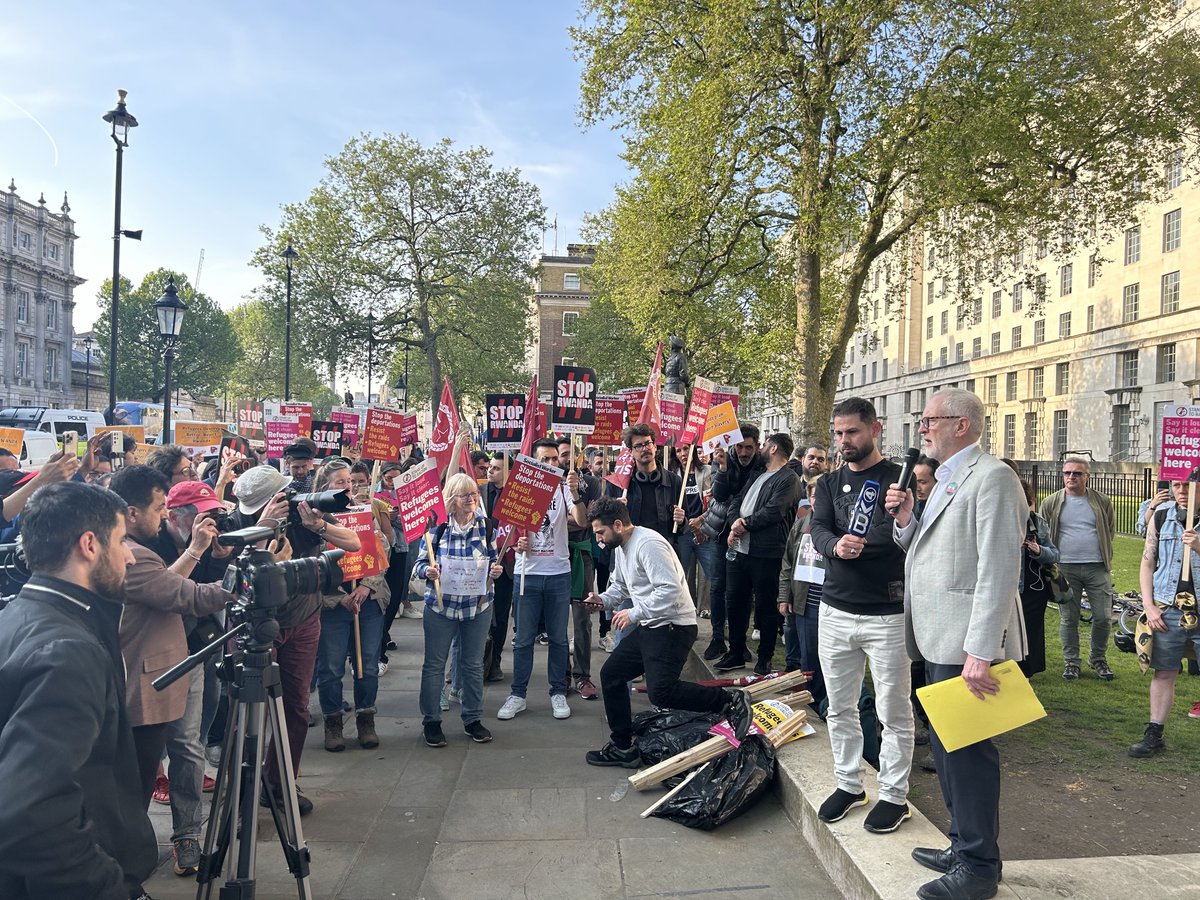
(263, 585)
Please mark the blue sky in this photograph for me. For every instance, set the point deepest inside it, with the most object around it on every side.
(240, 103)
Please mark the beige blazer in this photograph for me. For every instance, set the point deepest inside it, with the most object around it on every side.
(962, 567)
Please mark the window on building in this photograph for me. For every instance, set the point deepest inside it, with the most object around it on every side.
(995, 342)
(1066, 280)
(1039, 331)
(1043, 248)
(945, 323)
(1016, 337)
(958, 352)
(1060, 433)
(931, 257)
(976, 348)
(1010, 436)
(996, 301)
(1037, 382)
(22, 306)
(928, 327)
(1091, 318)
(1121, 432)
(887, 335)
(1164, 370)
(52, 250)
(1064, 325)
(1172, 230)
(1127, 368)
(906, 430)
(929, 293)
(874, 371)
(23, 240)
(52, 315)
(985, 439)
(1062, 378)
(851, 379)
(1031, 435)
(1130, 299)
(885, 368)
(1170, 292)
(990, 396)
(570, 323)
(23, 351)
(1010, 386)
(864, 373)
(970, 385)
(929, 359)
(1018, 295)
(1018, 258)
(571, 281)
(1174, 170)
(52, 364)
(875, 279)
(1133, 244)
(1039, 289)
(942, 356)
(1093, 270)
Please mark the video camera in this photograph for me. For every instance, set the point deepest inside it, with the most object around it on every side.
(322, 501)
(263, 585)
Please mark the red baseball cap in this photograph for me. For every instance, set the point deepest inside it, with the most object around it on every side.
(194, 493)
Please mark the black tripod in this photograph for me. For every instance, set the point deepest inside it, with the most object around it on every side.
(255, 700)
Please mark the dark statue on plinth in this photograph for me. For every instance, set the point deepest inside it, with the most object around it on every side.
(677, 381)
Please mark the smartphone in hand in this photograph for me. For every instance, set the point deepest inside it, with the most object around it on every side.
(70, 444)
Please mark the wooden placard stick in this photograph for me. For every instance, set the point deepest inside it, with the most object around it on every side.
(687, 471)
(437, 584)
(680, 762)
(357, 647)
(669, 794)
(375, 476)
(1186, 572)
(773, 685)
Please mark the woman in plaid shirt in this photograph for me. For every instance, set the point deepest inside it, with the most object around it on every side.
(465, 564)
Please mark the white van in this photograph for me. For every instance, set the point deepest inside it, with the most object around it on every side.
(36, 448)
(53, 421)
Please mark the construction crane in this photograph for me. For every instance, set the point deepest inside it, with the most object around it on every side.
(199, 269)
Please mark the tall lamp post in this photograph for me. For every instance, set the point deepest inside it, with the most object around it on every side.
(87, 382)
(170, 311)
(370, 353)
(400, 392)
(289, 254)
(121, 122)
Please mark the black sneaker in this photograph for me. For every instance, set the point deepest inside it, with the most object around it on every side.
(729, 662)
(1100, 667)
(1071, 672)
(839, 803)
(612, 755)
(763, 668)
(433, 734)
(716, 649)
(304, 804)
(886, 817)
(739, 711)
(476, 731)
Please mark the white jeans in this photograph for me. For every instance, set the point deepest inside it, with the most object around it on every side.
(846, 643)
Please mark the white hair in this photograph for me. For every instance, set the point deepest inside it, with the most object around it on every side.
(957, 402)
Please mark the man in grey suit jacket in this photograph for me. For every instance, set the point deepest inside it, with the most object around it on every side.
(963, 611)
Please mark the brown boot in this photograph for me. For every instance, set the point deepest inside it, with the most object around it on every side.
(334, 742)
(367, 738)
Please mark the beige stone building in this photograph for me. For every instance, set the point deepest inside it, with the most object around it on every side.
(1083, 353)
(562, 293)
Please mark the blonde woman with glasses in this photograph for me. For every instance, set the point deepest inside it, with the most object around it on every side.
(458, 598)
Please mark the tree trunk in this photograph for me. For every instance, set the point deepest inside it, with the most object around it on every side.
(435, 376)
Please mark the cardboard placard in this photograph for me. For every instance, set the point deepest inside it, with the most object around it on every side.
(250, 420)
(11, 439)
(302, 411)
(634, 400)
(1180, 442)
(328, 438)
(197, 434)
(281, 431)
(721, 430)
(573, 409)
(610, 421)
(505, 421)
(137, 432)
(409, 433)
(351, 422)
(419, 497)
(527, 494)
(725, 393)
(234, 446)
(693, 429)
(368, 559)
(384, 434)
(673, 409)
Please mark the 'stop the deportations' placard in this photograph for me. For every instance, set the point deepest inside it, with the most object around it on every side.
(574, 407)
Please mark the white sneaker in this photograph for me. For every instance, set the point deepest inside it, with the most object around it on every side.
(514, 705)
(558, 703)
(756, 635)
(606, 643)
(412, 611)
(382, 667)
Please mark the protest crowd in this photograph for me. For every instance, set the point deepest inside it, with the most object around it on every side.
(534, 539)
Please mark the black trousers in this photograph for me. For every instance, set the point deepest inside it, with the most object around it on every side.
(659, 654)
(501, 609)
(149, 742)
(970, 782)
(752, 583)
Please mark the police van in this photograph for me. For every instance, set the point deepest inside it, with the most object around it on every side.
(52, 421)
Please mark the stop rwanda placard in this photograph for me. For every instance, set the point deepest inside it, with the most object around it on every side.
(574, 407)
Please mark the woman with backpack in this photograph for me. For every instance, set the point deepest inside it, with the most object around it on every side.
(458, 574)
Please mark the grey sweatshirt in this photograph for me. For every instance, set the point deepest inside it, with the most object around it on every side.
(647, 572)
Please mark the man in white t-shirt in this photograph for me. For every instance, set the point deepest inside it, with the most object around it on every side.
(544, 563)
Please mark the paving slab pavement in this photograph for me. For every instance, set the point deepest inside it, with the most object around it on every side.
(522, 816)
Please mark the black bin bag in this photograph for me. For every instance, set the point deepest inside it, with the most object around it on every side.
(663, 733)
(724, 788)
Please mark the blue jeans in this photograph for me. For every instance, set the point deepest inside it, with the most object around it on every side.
(469, 635)
(549, 597)
(185, 751)
(337, 643)
(791, 642)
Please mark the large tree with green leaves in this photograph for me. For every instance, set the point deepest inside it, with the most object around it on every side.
(207, 350)
(802, 140)
(434, 242)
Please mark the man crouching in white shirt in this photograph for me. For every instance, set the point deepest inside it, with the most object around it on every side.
(646, 571)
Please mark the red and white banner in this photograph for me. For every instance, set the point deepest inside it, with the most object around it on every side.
(622, 470)
(674, 408)
(725, 393)
(281, 431)
(527, 494)
(1180, 443)
(419, 496)
(383, 435)
(351, 422)
(610, 421)
(369, 559)
(693, 429)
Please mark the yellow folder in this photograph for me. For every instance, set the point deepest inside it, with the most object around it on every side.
(961, 719)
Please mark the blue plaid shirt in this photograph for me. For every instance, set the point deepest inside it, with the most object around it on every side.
(455, 545)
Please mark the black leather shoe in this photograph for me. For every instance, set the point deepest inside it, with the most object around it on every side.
(960, 883)
(938, 860)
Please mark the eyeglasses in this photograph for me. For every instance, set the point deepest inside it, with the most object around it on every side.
(1074, 474)
(466, 496)
(642, 445)
(924, 421)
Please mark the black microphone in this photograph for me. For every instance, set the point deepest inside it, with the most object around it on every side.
(906, 472)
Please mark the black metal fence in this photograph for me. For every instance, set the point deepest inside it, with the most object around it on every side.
(1127, 490)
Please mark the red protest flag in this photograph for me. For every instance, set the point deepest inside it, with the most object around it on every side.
(651, 413)
(445, 428)
(622, 470)
(535, 426)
